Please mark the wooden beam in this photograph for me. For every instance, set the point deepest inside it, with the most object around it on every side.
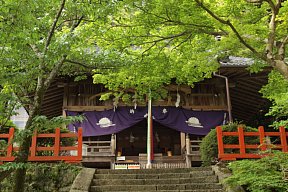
(102, 108)
(238, 98)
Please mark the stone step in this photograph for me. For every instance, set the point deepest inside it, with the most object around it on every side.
(197, 190)
(165, 187)
(146, 175)
(151, 171)
(125, 181)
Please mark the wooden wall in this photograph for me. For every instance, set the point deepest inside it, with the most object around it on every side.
(206, 95)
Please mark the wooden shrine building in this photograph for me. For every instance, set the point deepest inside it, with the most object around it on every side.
(118, 136)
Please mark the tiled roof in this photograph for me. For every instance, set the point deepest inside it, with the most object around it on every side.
(232, 61)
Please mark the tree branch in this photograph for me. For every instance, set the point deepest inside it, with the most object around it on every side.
(232, 27)
(272, 29)
(24, 94)
(161, 38)
(182, 42)
(86, 65)
(4, 174)
(60, 63)
(76, 19)
(145, 11)
(40, 81)
(281, 51)
(146, 50)
(271, 3)
(52, 30)
(254, 1)
(54, 72)
(36, 50)
(76, 24)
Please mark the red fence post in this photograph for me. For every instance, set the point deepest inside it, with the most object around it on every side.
(241, 140)
(220, 141)
(80, 140)
(283, 139)
(262, 138)
(10, 142)
(57, 142)
(33, 145)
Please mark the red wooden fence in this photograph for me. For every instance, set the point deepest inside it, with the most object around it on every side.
(243, 153)
(54, 153)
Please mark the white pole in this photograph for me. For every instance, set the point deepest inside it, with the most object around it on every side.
(149, 133)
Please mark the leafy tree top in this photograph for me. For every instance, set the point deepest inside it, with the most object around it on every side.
(176, 39)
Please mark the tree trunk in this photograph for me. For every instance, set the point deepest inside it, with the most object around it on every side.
(282, 67)
(23, 153)
(19, 180)
(4, 174)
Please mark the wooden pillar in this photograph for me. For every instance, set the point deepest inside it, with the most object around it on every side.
(220, 141)
(113, 144)
(283, 139)
(188, 151)
(188, 145)
(80, 142)
(33, 146)
(262, 138)
(149, 119)
(57, 142)
(182, 140)
(241, 140)
(113, 150)
(10, 143)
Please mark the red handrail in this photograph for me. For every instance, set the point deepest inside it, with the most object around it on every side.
(242, 146)
(56, 154)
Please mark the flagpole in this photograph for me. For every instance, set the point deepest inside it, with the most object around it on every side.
(149, 119)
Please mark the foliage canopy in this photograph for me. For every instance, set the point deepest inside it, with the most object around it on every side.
(176, 40)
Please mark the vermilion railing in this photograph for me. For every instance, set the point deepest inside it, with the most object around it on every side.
(56, 152)
(242, 146)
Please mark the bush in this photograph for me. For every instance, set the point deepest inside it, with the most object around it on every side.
(209, 145)
(263, 175)
(42, 177)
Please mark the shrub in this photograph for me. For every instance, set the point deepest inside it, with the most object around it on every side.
(42, 177)
(209, 145)
(263, 175)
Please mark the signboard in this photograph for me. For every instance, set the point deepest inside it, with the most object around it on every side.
(121, 158)
(120, 166)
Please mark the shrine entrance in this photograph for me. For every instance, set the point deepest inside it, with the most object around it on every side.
(133, 141)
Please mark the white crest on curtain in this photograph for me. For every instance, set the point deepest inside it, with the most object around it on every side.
(194, 122)
(164, 111)
(105, 122)
(132, 111)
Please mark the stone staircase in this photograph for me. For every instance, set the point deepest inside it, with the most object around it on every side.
(196, 179)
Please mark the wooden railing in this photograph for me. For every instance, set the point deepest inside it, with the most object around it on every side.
(56, 152)
(97, 148)
(244, 150)
(195, 146)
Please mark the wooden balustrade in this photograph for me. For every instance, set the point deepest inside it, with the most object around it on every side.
(7, 155)
(243, 153)
(56, 152)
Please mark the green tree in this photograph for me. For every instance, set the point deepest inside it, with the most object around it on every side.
(169, 39)
(40, 40)
(277, 92)
(8, 104)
